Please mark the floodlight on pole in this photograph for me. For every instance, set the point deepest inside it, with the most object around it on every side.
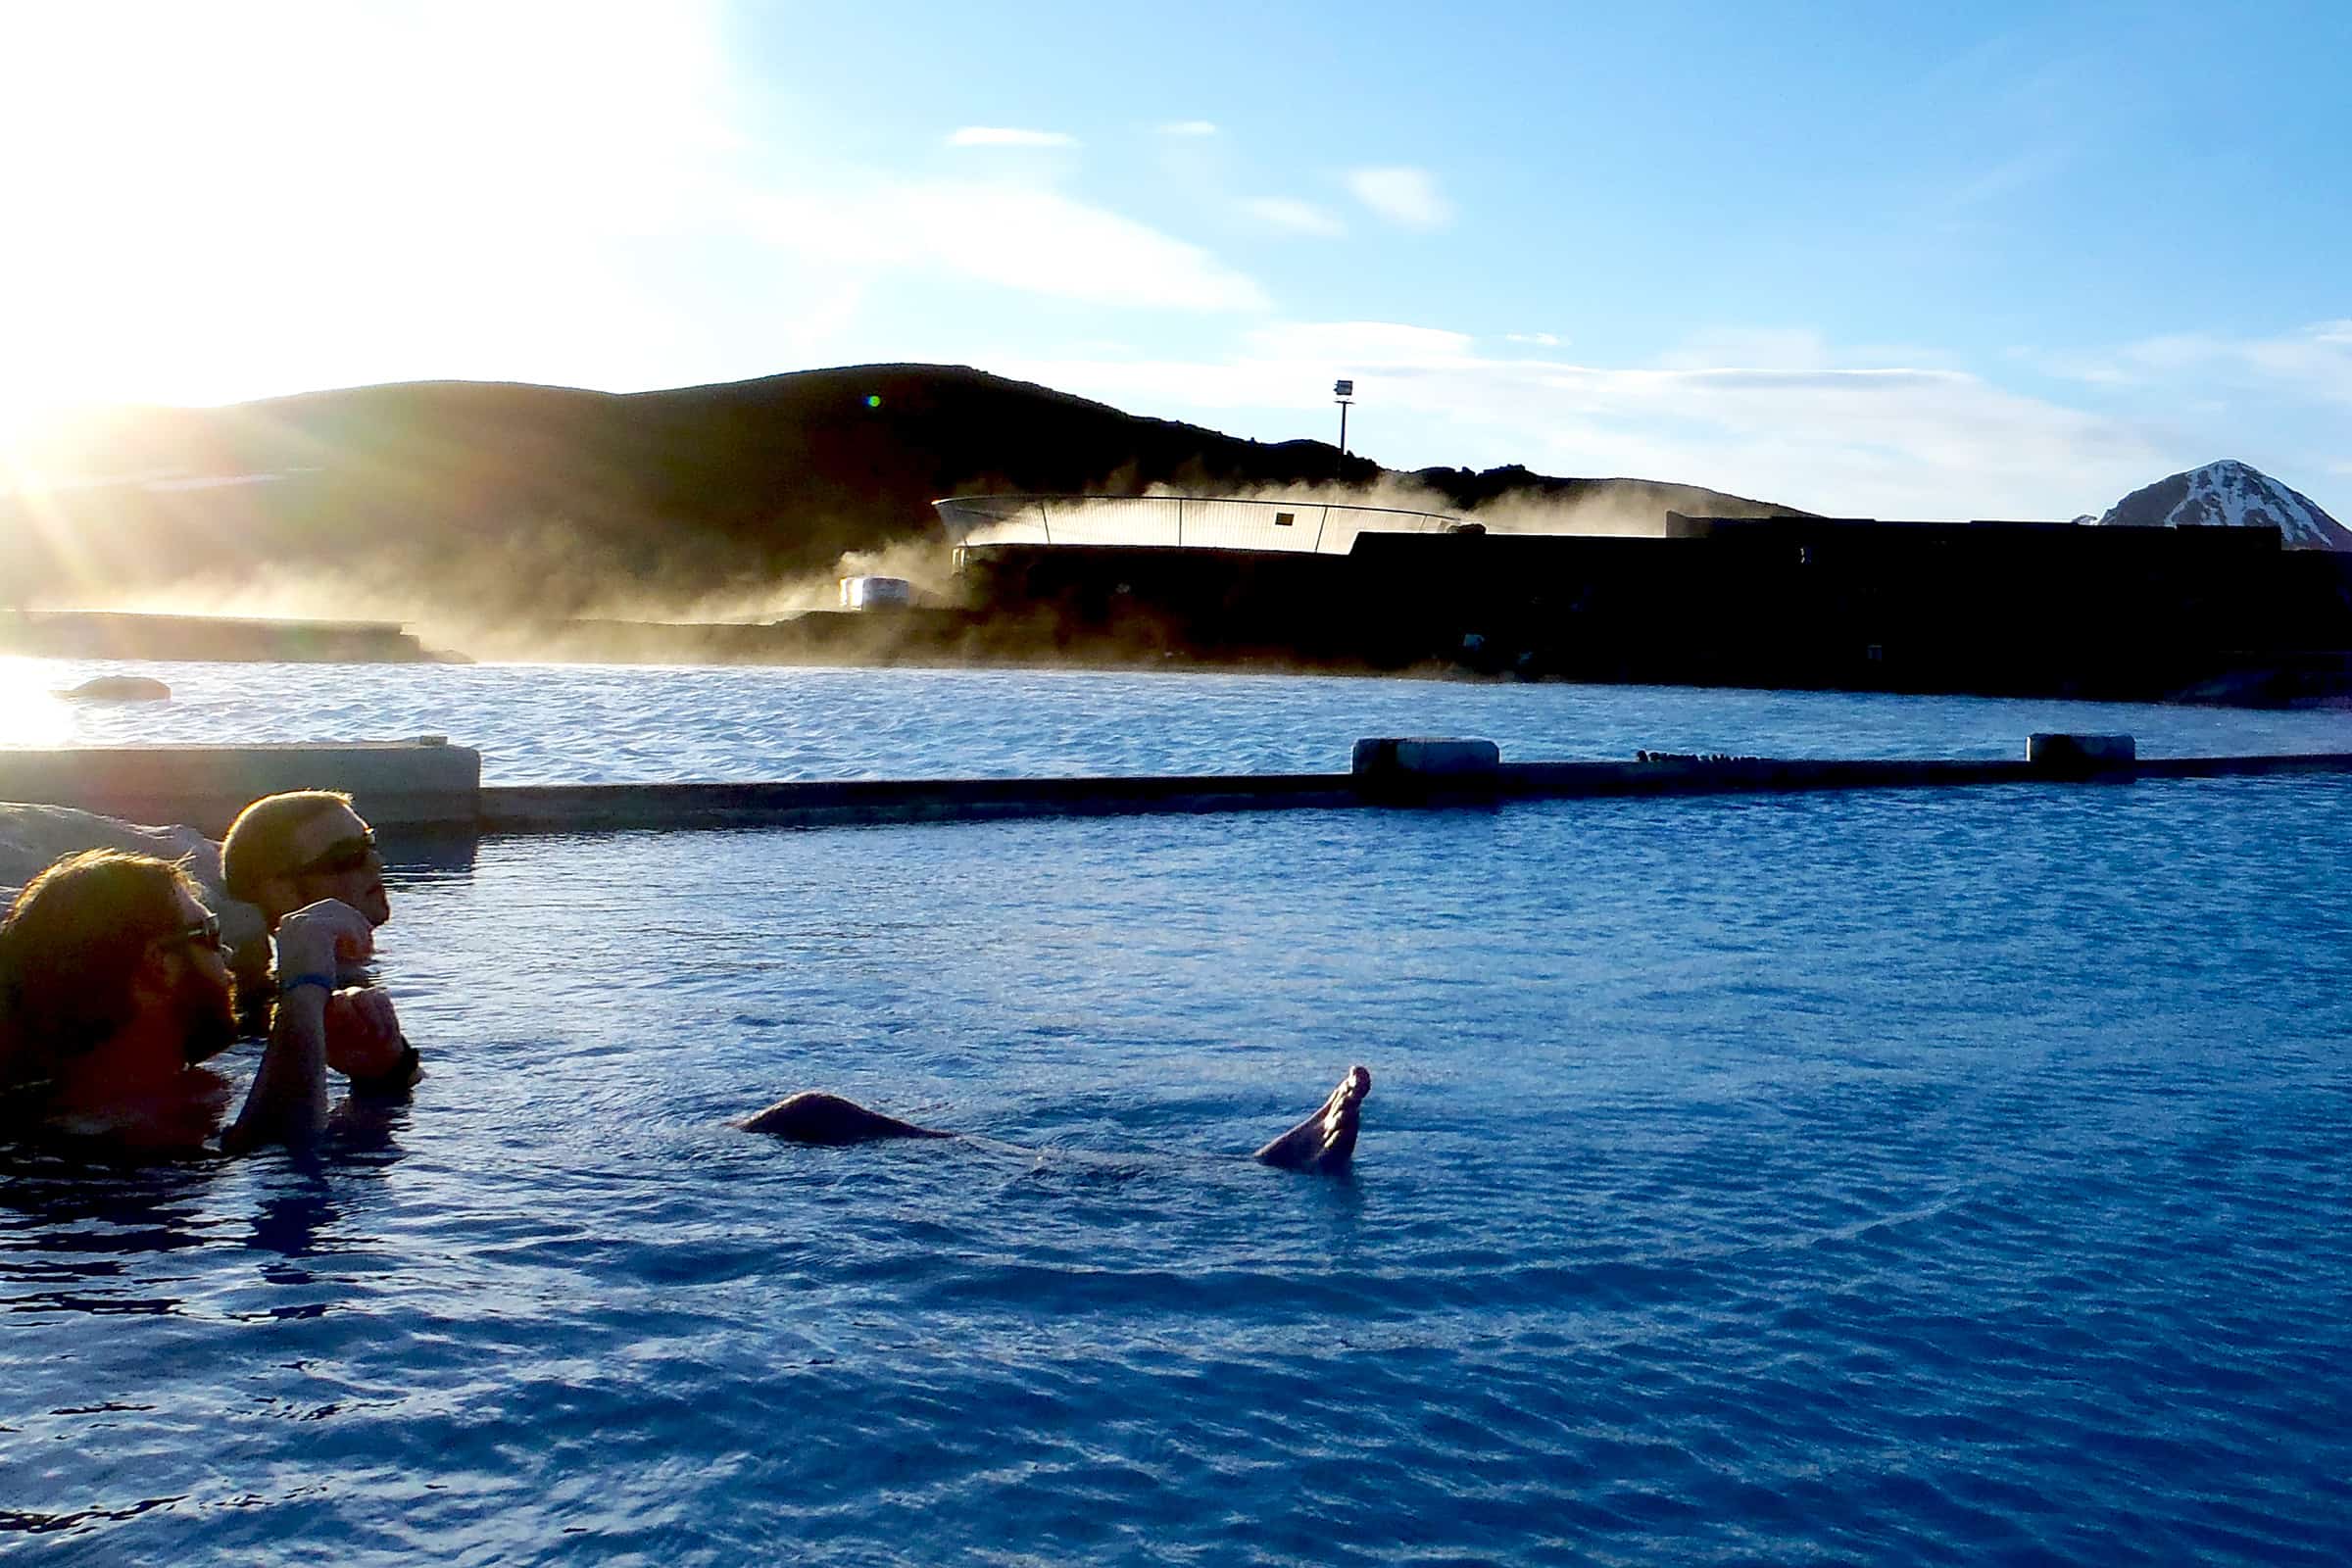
(1345, 392)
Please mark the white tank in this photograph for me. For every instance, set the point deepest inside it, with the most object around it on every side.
(876, 592)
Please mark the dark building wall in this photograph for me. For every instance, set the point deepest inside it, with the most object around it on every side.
(1990, 606)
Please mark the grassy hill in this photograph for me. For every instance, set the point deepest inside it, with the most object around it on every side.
(446, 496)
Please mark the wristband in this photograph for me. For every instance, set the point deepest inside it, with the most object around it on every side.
(293, 983)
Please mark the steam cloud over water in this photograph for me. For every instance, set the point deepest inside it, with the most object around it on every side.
(512, 599)
(526, 593)
(484, 516)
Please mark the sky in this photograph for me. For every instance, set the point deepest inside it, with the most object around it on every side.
(1985, 261)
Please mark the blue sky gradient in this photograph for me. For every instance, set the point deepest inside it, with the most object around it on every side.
(1985, 260)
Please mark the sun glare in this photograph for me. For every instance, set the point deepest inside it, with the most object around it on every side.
(270, 198)
(30, 713)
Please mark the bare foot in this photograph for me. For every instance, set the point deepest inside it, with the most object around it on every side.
(813, 1117)
(1325, 1140)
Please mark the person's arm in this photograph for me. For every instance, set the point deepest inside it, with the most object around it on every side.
(287, 1103)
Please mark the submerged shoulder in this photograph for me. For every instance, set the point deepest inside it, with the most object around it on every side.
(182, 1122)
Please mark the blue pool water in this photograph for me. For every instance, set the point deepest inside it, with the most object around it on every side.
(578, 725)
(1879, 1177)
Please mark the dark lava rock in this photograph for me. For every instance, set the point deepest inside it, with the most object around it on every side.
(120, 689)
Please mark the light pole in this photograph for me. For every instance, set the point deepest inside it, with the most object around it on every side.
(1345, 392)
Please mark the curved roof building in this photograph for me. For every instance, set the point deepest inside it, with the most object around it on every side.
(1192, 523)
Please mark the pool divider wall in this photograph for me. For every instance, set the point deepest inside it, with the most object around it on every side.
(422, 783)
(429, 784)
(1388, 771)
(575, 808)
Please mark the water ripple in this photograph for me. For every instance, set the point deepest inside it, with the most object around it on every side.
(1873, 1178)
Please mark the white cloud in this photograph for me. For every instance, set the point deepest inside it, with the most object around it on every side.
(2312, 361)
(1751, 347)
(1189, 127)
(1363, 343)
(1844, 437)
(2318, 359)
(1541, 340)
(2089, 368)
(1008, 136)
(1295, 216)
(1405, 196)
(1016, 237)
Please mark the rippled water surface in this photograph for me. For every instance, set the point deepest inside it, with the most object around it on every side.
(1879, 1177)
(576, 723)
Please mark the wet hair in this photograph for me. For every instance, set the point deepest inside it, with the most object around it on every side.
(260, 841)
(69, 949)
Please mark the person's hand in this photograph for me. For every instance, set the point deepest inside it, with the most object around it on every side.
(363, 1032)
(322, 938)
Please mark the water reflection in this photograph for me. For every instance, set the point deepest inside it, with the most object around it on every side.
(70, 1229)
(425, 854)
(75, 1236)
(291, 1225)
(20, 1522)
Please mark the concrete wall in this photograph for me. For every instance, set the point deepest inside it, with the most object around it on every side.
(125, 634)
(393, 783)
(429, 785)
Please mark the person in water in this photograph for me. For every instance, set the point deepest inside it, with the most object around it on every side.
(288, 852)
(1324, 1142)
(115, 989)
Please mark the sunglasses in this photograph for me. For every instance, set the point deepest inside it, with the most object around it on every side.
(341, 857)
(205, 933)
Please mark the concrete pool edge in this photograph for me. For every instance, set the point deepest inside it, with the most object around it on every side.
(430, 784)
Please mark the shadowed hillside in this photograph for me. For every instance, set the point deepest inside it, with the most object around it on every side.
(452, 498)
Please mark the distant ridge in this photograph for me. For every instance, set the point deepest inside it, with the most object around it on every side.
(565, 501)
(2229, 494)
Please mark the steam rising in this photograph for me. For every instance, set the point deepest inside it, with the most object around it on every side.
(541, 595)
(551, 590)
(1614, 513)
(507, 522)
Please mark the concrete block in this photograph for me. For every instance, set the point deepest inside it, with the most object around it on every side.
(1431, 759)
(392, 783)
(2080, 754)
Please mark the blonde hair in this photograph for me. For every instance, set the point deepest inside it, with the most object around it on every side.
(260, 841)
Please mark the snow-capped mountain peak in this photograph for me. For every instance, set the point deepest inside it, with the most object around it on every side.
(2231, 494)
